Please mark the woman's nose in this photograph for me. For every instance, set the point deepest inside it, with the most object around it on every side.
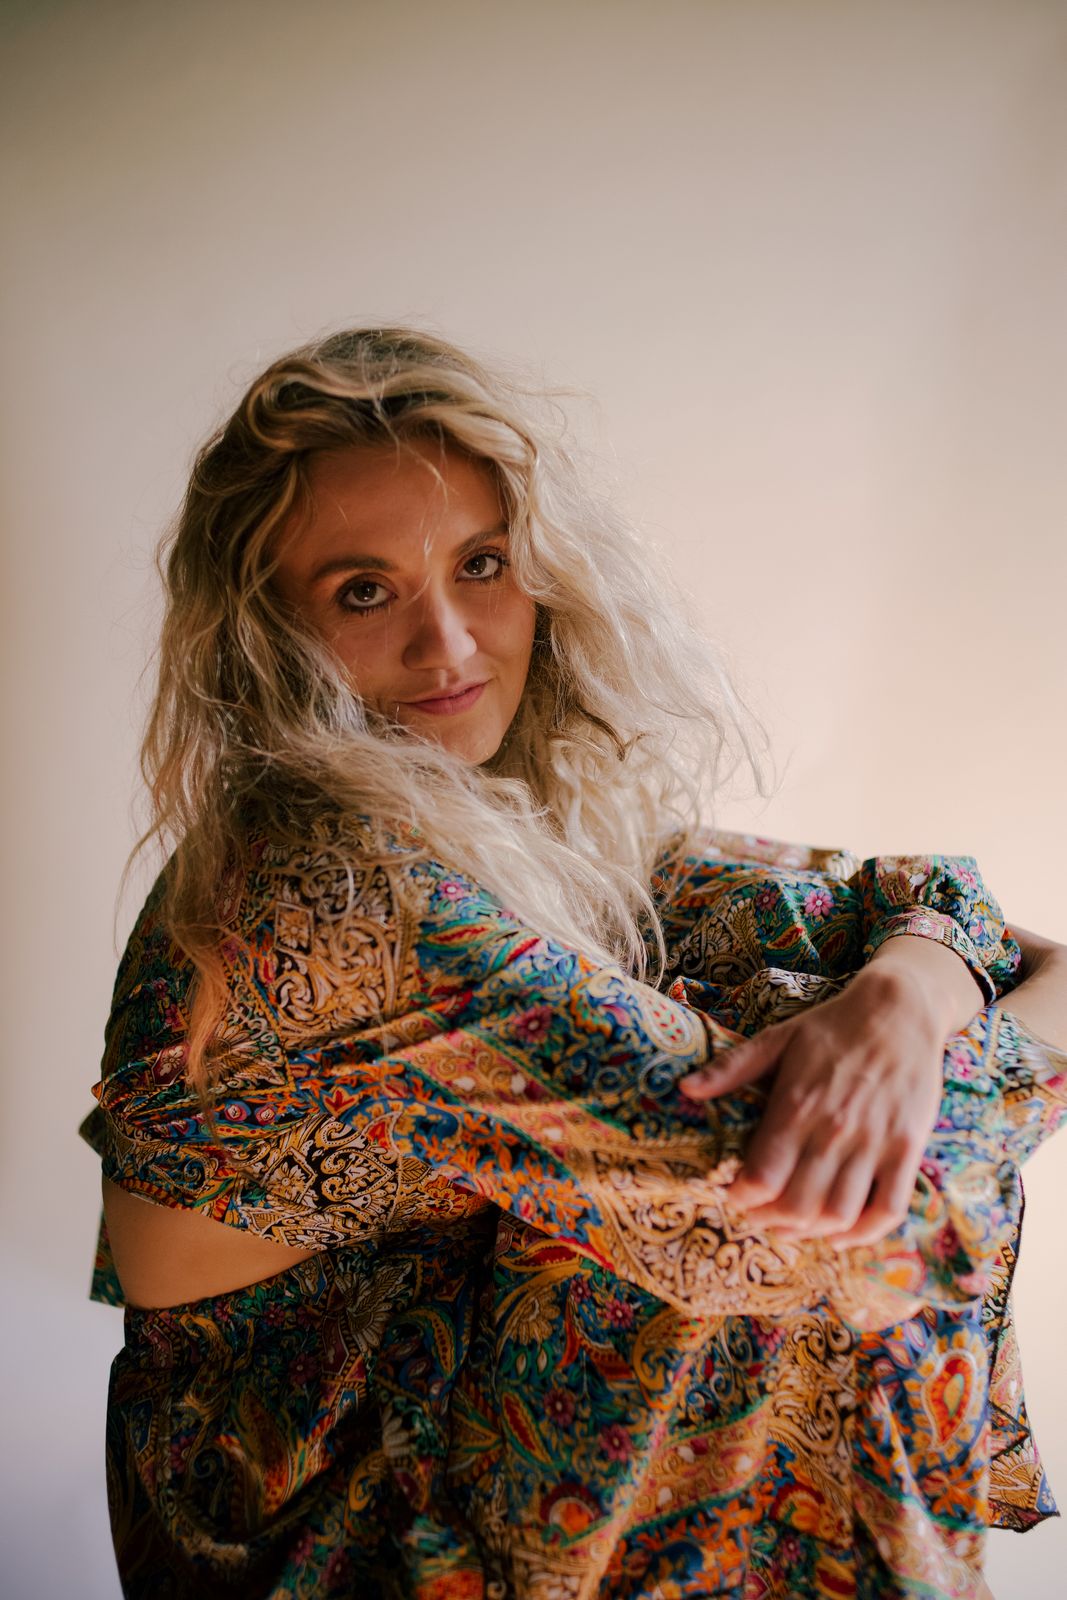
(440, 635)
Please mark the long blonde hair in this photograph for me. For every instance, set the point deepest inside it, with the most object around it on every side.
(627, 724)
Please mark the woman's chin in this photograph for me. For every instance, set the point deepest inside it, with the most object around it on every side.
(473, 745)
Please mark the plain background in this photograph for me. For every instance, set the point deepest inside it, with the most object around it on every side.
(805, 263)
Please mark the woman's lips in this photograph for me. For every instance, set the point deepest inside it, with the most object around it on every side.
(449, 704)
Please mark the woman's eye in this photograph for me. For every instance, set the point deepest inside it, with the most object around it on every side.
(357, 596)
(353, 596)
(488, 555)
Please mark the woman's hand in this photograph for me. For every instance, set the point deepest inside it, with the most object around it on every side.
(855, 1096)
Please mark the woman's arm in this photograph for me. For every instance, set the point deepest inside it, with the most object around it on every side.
(857, 1080)
(1040, 1000)
(508, 1068)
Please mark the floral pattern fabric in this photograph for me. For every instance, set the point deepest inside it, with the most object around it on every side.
(539, 1354)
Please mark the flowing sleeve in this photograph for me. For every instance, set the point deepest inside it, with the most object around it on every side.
(822, 912)
(401, 1045)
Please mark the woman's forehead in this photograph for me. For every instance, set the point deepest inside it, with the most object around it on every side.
(416, 474)
(377, 504)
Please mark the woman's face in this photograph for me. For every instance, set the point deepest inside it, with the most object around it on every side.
(407, 580)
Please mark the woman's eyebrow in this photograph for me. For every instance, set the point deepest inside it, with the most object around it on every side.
(345, 563)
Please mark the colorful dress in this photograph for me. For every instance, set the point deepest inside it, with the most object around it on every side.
(539, 1356)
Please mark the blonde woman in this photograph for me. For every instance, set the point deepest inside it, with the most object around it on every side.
(449, 1268)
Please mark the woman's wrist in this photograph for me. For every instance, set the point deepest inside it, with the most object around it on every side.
(913, 969)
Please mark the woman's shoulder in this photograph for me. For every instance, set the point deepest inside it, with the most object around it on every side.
(334, 863)
(361, 921)
(336, 929)
(319, 890)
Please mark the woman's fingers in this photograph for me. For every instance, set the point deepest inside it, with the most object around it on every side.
(741, 1064)
(826, 1191)
(838, 1195)
(845, 1199)
(796, 1208)
(775, 1148)
(890, 1199)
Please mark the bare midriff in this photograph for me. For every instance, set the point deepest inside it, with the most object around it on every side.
(165, 1256)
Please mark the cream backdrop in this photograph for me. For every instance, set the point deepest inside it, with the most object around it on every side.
(804, 265)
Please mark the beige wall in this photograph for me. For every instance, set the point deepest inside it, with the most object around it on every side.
(807, 258)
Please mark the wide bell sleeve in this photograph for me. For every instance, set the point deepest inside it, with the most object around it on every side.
(400, 1045)
(821, 912)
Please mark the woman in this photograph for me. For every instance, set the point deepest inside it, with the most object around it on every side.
(495, 1313)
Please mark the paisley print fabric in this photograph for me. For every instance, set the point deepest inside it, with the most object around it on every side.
(539, 1354)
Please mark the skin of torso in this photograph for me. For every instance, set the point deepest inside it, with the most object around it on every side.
(165, 1256)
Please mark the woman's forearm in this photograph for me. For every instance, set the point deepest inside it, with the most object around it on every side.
(1039, 1000)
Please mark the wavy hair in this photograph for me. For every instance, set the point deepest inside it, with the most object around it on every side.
(627, 725)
